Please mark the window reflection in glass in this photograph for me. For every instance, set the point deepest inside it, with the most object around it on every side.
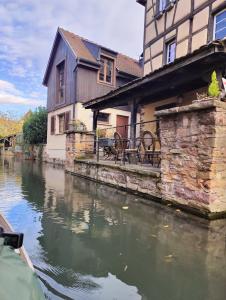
(220, 25)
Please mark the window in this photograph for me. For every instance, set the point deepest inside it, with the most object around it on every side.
(61, 123)
(220, 25)
(106, 70)
(103, 117)
(164, 4)
(64, 122)
(60, 82)
(53, 125)
(170, 51)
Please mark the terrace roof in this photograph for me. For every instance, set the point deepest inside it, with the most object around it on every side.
(183, 75)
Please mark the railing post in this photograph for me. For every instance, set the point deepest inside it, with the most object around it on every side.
(97, 148)
(95, 115)
(133, 123)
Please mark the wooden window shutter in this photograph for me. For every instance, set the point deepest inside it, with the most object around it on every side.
(53, 124)
(67, 120)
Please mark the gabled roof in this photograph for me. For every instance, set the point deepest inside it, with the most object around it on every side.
(84, 49)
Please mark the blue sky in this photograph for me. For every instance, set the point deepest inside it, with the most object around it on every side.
(27, 30)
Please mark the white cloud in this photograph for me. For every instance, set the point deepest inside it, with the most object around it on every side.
(28, 27)
(6, 86)
(10, 95)
(13, 99)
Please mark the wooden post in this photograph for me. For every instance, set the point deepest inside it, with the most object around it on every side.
(95, 115)
(133, 122)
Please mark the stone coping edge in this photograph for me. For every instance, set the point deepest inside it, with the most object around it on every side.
(199, 212)
(199, 105)
(79, 131)
(151, 173)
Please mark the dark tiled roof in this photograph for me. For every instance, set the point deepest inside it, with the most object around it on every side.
(87, 50)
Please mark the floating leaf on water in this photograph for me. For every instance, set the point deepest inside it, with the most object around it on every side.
(169, 256)
(125, 207)
(126, 267)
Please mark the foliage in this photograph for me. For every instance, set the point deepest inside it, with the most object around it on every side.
(79, 125)
(35, 127)
(214, 90)
(9, 125)
(101, 133)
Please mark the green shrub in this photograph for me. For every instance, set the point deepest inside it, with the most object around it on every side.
(214, 90)
(35, 127)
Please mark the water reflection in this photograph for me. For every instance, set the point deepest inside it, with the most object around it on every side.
(85, 246)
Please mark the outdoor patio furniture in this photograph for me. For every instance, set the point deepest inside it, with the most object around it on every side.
(150, 155)
(119, 146)
(133, 154)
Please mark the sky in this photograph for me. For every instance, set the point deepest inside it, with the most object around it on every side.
(27, 31)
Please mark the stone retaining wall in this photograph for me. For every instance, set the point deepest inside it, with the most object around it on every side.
(140, 181)
(193, 161)
(193, 149)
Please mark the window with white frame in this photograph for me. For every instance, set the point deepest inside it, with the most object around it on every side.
(164, 4)
(170, 51)
(220, 25)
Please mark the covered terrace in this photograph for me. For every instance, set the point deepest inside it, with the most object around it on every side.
(179, 81)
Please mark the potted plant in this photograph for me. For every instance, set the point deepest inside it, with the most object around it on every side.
(79, 126)
(214, 91)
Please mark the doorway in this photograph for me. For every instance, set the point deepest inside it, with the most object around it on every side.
(123, 122)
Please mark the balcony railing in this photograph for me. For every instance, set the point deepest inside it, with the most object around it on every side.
(128, 144)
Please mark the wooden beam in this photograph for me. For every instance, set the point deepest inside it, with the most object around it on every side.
(133, 121)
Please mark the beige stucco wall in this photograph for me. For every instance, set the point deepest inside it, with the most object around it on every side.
(148, 111)
(55, 147)
(56, 143)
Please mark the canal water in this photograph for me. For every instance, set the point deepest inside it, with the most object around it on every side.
(92, 242)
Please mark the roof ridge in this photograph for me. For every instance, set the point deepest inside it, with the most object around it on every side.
(87, 40)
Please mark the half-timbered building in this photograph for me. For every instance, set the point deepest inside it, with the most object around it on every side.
(181, 136)
(183, 45)
(79, 70)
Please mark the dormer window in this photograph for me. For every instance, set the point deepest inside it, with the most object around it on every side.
(106, 71)
(60, 83)
(220, 25)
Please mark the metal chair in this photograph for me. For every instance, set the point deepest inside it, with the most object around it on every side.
(148, 143)
(133, 153)
(119, 146)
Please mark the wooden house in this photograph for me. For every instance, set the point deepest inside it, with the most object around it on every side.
(79, 70)
(184, 42)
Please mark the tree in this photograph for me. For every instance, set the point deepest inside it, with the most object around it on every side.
(35, 127)
(9, 125)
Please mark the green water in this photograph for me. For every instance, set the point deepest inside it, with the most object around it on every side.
(85, 246)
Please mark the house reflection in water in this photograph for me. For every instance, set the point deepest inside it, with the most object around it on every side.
(91, 245)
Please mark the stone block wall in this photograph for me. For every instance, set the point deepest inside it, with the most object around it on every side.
(193, 147)
(78, 145)
(146, 182)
